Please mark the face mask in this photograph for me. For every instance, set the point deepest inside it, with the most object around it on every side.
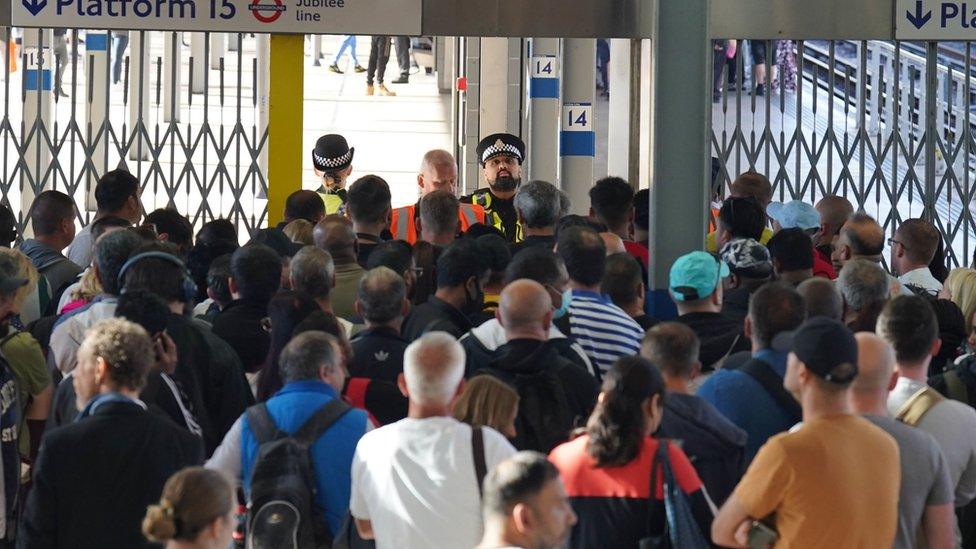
(567, 298)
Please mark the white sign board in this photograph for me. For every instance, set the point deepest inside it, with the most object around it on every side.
(935, 20)
(545, 66)
(393, 17)
(577, 117)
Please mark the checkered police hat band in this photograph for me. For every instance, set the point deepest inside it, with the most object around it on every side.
(500, 148)
(333, 162)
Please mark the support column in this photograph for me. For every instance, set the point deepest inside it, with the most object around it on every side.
(682, 104)
(577, 140)
(262, 53)
(96, 50)
(38, 113)
(140, 42)
(622, 143)
(234, 40)
(287, 73)
(317, 50)
(468, 165)
(218, 45)
(198, 51)
(172, 79)
(543, 138)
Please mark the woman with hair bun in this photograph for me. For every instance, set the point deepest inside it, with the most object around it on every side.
(196, 511)
(607, 470)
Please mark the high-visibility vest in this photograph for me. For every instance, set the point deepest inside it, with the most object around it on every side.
(403, 227)
(483, 199)
(333, 203)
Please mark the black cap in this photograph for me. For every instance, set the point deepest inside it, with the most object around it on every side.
(278, 241)
(498, 144)
(332, 153)
(827, 348)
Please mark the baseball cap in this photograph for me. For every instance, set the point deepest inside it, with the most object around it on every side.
(9, 281)
(695, 276)
(794, 214)
(747, 257)
(826, 347)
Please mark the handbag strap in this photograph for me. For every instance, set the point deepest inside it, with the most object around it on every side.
(773, 384)
(478, 449)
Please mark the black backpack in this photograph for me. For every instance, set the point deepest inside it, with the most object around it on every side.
(544, 418)
(281, 509)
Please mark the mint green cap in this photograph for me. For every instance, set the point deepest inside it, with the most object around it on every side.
(695, 276)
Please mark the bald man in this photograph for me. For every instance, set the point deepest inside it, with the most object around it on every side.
(926, 501)
(555, 392)
(438, 172)
(861, 237)
(834, 212)
(335, 235)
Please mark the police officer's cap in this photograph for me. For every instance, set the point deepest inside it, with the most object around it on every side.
(498, 144)
(332, 153)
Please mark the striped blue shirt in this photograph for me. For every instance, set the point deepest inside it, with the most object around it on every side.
(603, 330)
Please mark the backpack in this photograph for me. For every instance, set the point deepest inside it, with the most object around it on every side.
(544, 418)
(281, 508)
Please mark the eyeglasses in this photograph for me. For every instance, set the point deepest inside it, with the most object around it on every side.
(892, 242)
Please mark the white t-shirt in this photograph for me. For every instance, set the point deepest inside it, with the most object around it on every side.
(415, 481)
(921, 278)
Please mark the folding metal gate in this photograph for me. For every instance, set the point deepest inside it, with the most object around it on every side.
(184, 118)
(886, 124)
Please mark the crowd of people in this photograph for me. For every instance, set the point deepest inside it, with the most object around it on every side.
(482, 372)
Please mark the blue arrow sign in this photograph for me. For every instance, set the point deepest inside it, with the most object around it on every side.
(917, 18)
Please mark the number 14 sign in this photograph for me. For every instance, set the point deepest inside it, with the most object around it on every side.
(577, 117)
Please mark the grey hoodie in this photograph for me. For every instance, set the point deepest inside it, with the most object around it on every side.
(52, 265)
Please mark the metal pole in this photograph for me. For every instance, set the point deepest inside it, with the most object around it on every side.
(621, 114)
(140, 42)
(543, 138)
(38, 113)
(96, 48)
(468, 165)
(932, 116)
(171, 77)
(681, 117)
(577, 140)
(198, 47)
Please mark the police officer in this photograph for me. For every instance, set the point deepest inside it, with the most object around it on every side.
(332, 160)
(438, 171)
(501, 157)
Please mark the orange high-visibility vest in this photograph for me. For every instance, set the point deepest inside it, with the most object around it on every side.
(403, 227)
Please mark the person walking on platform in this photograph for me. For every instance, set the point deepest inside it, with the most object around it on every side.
(348, 42)
(438, 171)
(501, 156)
(403, 59)
(379, 56)
(332, 160)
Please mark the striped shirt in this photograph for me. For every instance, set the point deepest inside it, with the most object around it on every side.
(603, 330)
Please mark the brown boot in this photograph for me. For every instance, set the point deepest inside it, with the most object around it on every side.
(369, 89)
(386, 92)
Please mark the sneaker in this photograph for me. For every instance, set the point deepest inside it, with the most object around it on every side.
(386, 92)
(335, 68)
(760, 90)
(369, 89)
(404, 79)
(359, 68)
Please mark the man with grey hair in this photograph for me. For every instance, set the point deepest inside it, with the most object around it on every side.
(539, 206)
(313, 375)
(382, 303)
(417, 482)
(313, 273)
(438, 222)
(864, 287)
(438, 172)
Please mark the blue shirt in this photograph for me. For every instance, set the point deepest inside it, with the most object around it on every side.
(603, 330)
(331, 453)
(746, 403)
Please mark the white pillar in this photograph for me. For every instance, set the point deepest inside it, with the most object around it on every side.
(172, 77)
(234, 41)
(577, 140)
(38, 112)
(317, 50)
(96, 51)
(198, 51)
(543, 136)
(218, 45)
(139, 91)
(619, 143)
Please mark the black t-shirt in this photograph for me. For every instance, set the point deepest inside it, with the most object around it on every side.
(720, 335)
(378, 354)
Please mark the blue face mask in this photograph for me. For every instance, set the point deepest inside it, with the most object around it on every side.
(567, 298)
